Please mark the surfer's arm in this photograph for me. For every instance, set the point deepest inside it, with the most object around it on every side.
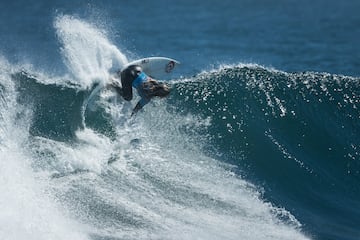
(140, 105)
(115, 85)
(127, 92)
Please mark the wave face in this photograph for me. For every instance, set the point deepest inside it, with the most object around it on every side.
(295, 134)
(239, 152)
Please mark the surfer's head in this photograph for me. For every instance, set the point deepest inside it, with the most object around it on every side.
(152, 88)
(129, 72)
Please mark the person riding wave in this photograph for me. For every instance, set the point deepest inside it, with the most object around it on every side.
(147, 87)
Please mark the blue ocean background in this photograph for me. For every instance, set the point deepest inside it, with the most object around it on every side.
(259, 138)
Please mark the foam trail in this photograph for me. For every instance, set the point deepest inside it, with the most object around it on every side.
(87, 52)
(90, 154)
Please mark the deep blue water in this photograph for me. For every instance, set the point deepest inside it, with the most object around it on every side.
(258, 140)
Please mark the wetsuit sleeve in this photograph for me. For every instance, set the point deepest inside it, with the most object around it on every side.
(126, 81)
(126, 90)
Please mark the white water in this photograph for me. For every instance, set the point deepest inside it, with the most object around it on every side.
(87, 53)
(27, 211)
(160, 185)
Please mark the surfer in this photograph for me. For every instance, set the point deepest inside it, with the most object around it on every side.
(147, 87)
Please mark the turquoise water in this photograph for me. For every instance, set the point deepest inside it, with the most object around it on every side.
(258, 140)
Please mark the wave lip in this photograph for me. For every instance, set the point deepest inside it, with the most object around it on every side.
(86, 51)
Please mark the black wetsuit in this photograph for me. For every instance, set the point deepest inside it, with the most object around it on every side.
(133, 76)
(128, 75)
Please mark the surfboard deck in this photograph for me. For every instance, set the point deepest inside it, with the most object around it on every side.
(159, 68)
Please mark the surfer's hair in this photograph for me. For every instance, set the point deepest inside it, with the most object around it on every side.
(154, 88)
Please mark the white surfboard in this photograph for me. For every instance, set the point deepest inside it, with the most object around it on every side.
(159, 68)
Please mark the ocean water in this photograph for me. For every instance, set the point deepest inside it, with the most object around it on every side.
(259, 138)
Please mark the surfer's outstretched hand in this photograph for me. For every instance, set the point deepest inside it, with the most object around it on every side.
(115, 85)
